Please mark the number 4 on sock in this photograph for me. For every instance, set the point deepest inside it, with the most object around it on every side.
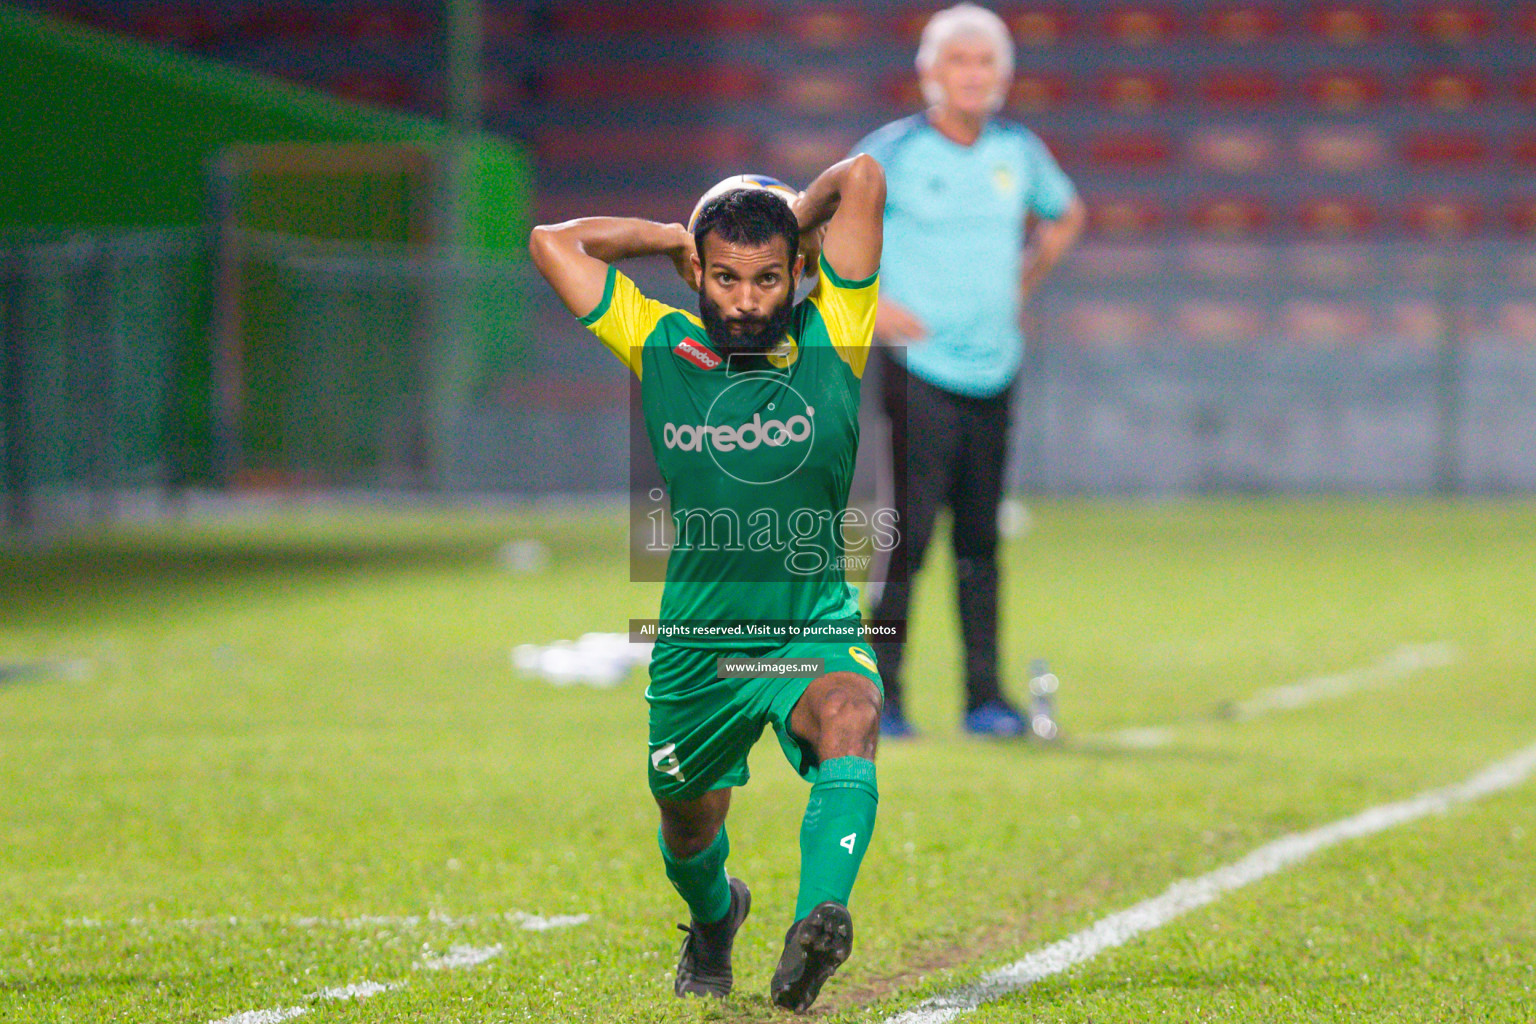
(848, 841)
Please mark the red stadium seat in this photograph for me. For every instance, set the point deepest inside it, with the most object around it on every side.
(601, 82)
(902, 90)
(287, 23)
(1233, 150)
(1243, 24)
(583, 147)
(378, 88)
(1347, 24)
(1219, 322)
(1140, 25)
(1525, 23)
(1444, 218)
(1342, 150)
(1240, 89)
(1337, 218)
(827, 26)
(820, 91)
(798, 155)
(1125, 218)
(1033, 92)
(1131, 151)
(190, 26)
(1525, 88)
(1134, 91)
(388, 25)
(1451, 23)
(1037, 27)
(1445, 150)
(1522, 152)
(1102, 323)
(1321, 322)
(1450, 90)
(1345, 92)
(675, 18)
(1230, 217)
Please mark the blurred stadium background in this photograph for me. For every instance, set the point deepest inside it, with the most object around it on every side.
(280, 246)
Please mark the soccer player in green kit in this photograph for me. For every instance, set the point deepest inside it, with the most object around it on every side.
(752, 413)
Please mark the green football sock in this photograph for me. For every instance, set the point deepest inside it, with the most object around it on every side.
(700, 879)
(839, 818)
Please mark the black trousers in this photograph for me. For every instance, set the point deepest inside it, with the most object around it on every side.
(946, 450)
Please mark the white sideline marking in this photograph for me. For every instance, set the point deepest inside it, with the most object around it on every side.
(461, 956)
(457, 957)
(1401, 662)
(1189, 894)
(535, 923)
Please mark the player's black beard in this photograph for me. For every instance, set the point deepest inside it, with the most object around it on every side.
(759, 334)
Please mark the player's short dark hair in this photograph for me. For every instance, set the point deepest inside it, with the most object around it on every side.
(748, 216)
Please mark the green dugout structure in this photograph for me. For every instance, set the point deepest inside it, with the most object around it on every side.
(215, 278)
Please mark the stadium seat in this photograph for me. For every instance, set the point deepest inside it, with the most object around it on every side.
(1219, 321)
(1124, 217)
(1515, 323)
(677, 18)
(1444, 150)
(1037, 27)
(1243, 24)
(653, 82)
(827, 26)
(190, 26)
(388, 25)
(1139, 25)
(1342, 150)
(902, 90)
(1443, 218)
(1134, 91)
(1228, 261)
(1522, 152)
(1452, 24)
(379, 88)
(1239, 88)
(1233, 150)
(1347, 24)
(1096, 323)
(1322, 322)
(1336, 218)
(1131, 152)
(1344, 92)
(797, 155)
(1034, 92)
(283, 23)
(685, 146)
(1230, 216)
(1451, 91)
(1520, 213)
(822, 91)
(1525, 24)
(1525, 88)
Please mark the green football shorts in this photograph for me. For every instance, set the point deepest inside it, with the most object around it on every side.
(702, 726)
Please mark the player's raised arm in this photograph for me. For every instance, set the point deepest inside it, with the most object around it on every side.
(849, 198)
(574, 256)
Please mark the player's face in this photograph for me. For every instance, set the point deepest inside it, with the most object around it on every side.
(748, 293)
(969, 75)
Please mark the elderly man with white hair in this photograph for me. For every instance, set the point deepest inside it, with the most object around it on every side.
(963, 186)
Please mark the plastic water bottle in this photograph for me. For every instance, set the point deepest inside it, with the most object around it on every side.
(1042, 700)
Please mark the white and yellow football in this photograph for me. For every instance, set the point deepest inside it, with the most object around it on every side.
(736, 181)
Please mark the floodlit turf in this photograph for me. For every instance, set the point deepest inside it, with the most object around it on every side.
(270, 756)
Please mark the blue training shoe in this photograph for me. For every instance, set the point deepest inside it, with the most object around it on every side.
(995, 718)
(894, 725)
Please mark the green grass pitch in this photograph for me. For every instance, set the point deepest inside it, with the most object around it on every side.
(278, 755)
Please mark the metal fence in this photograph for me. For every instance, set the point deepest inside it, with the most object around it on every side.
(1174, 368)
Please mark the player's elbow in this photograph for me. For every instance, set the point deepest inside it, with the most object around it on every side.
(866, 177)
(542, 243)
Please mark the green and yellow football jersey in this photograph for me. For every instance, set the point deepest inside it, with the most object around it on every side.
(757, 453)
